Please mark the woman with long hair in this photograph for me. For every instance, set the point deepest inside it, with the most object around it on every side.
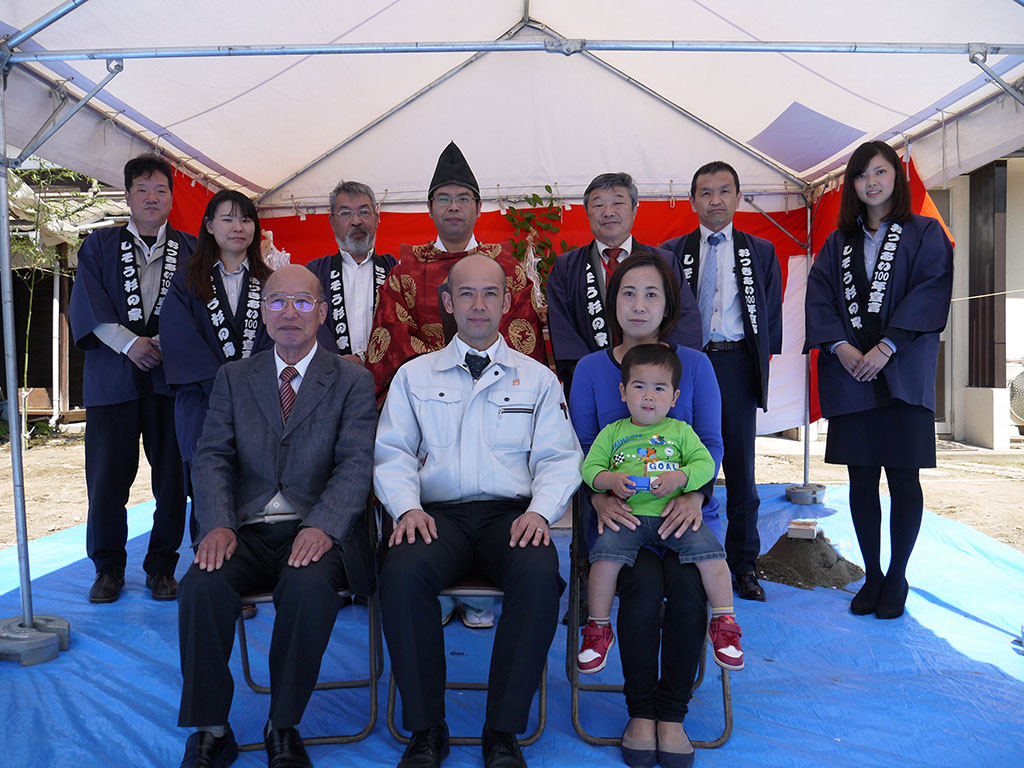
(645, 301)
(877, 298)
(211, 314)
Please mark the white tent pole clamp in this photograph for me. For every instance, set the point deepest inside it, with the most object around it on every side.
(979, 54)
(114, 67)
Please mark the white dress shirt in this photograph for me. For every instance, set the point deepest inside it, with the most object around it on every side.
(150, 264)
(469, 247)
(727, 309)
(441, 438)
(357, 282)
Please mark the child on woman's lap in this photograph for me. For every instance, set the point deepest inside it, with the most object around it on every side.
(647, 460)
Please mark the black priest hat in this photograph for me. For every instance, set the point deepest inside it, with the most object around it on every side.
(452, 168)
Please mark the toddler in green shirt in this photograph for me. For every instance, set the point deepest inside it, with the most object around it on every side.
(647, 460)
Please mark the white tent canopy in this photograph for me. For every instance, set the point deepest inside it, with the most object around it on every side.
(287, 127)
(281, 100)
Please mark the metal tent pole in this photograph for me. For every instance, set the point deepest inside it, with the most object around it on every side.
(808, 493)
(43, 22)
(26, 638)
(566, 46)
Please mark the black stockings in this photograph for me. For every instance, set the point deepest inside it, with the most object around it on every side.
(906, 506)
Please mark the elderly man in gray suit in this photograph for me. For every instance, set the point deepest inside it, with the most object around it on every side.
(281, 478)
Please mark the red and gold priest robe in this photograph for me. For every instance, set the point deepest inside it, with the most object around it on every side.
(408, 320)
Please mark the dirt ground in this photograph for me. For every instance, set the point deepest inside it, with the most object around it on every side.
(984, 489)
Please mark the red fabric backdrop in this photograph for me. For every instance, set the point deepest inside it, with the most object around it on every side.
(656, 221)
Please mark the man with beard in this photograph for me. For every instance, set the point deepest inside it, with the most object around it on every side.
(353, 275)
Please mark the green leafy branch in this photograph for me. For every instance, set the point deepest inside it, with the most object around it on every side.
(534, 226)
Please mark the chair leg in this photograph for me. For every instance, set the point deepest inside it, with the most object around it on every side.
(375, 663)
(727, 708)
(243, 649)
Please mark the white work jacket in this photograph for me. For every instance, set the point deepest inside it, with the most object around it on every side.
(441, 438)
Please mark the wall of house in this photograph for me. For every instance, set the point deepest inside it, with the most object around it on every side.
(1014, 267)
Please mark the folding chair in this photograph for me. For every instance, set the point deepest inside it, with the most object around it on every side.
(472, 587)
(572, 645)
(375, 666)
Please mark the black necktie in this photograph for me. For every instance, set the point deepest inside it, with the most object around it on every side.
(476, 364)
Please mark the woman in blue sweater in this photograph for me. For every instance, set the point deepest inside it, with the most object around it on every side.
(645, 298)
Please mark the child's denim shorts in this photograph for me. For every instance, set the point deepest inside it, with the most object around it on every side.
(621, 546)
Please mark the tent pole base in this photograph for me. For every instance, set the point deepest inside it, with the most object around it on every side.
(33, 645)
(809, 493)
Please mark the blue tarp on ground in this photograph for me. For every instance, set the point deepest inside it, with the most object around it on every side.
(943, 686)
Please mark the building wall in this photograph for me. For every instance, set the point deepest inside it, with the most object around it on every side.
(957, 344)
(1014, 267)
(963, 416)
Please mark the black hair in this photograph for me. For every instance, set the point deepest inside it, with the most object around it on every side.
(715, 166)
(197, 279)
(850, 206)
(143, 165)
(661, 355)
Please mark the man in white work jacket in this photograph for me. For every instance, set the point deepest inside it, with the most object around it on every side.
(475, 459)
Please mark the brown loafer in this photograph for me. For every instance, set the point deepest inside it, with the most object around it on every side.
(107, 587)
(162, 586)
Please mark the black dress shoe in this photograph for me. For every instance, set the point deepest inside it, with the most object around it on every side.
(204, 750)
(162, 586)
(748, 588)
(501, 749)
(284, 749)
(107, 587)
(426, 748)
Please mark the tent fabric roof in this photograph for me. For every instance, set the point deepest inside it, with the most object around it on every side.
(523, 119)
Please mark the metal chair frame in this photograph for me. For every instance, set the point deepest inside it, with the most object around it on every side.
(471, 587)
(576, 575)
(375, 668)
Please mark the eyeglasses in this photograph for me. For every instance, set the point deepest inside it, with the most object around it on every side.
(346, 214)
(460, 200)
(278, 301)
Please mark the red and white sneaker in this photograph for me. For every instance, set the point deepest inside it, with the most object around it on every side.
(724, 634)
(597, 641)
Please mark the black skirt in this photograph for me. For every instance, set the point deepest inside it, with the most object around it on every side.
(895, 435)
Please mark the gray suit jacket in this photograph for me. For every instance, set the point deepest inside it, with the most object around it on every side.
(322, 461)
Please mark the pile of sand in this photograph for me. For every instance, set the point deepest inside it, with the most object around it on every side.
(807, 563)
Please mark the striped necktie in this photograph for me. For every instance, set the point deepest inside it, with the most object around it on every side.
(287, 393)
